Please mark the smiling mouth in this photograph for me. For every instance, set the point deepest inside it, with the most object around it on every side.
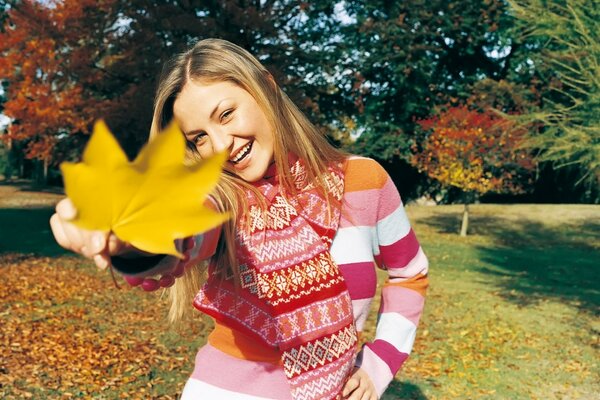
(242, 153)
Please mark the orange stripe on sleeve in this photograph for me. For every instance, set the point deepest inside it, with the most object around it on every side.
(418, 283)
(363, 174)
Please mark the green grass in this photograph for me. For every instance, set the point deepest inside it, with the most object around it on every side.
(27, 230)
(511, 313)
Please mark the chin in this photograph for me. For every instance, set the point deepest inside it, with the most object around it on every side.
(251, 177)
(247, 176)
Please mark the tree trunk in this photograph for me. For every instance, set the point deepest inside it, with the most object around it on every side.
(39, 172)
(465, 221)
(46, 165)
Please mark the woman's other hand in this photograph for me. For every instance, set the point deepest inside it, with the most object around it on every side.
(95, 245)
(359, 387)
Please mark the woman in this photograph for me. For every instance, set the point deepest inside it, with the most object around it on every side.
(292, 275)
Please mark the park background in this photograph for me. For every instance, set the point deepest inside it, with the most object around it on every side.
(490, 103)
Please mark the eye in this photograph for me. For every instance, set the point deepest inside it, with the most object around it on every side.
(199, 139)
(226, 114)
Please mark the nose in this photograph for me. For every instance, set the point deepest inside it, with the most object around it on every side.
(221, 141)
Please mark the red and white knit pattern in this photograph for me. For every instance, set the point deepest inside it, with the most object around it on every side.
(293, 296)
(374, 231)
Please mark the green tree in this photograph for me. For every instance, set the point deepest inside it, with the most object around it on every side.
(406, 57)
(88, 59)
(567, 58)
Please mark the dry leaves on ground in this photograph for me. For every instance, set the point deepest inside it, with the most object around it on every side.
(68, 332)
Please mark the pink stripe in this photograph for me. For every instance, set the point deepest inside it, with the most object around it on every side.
(365, 207)
(403, 301)
(361, 279)
(399, 254)
(359, 208)
(249, 377)
(391, 199)
(376, 368)
(389, 354)
(418, 265)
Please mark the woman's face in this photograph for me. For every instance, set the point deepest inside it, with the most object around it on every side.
(222, 116)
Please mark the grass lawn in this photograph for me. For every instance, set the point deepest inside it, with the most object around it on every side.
(512, 312)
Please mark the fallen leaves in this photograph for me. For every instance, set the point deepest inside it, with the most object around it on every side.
(67, 333)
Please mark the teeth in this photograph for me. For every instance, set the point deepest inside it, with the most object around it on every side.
(242, 153)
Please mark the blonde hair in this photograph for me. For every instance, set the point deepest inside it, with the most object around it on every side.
(214, 60)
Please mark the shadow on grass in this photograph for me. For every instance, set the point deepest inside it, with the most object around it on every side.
(27, 230)
(404, 391)
(532, 262)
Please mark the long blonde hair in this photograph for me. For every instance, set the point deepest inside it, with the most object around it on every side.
(213, 60)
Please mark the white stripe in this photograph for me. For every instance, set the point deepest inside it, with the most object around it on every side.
(361, 310)
(198, 390)
(355, 157)
(393, 227)
(353, 244)
(396, 330)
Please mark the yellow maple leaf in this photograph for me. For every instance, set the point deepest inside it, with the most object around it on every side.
(148, 202)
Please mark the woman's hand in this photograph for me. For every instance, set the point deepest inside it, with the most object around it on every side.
(359, 387)
(96, 245)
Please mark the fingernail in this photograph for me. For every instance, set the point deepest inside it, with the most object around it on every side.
(101, 262)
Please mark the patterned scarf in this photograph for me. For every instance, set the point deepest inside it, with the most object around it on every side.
(293, 297)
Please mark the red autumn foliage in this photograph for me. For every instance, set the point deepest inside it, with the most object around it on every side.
(474, 151)
(44, 59)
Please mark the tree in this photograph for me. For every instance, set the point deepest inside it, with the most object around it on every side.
(44, 63)
(475, 151)
(567, 58)
(404, 58)
(69, 62)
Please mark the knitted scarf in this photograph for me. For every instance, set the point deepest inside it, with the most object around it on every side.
(292, 297)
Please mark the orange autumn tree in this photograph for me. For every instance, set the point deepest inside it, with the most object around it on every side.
(475, 151)
(46, 50)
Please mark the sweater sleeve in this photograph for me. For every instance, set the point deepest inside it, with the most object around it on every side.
(397, 251)
(195, 249)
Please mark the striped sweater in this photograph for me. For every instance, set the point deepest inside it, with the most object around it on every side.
(373, 232)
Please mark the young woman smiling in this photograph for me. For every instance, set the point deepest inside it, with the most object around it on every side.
(292, 276)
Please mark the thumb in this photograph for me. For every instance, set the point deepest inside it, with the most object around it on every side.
(98, 241)
(66, 209)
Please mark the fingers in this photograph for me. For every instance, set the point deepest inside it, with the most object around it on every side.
(351, 385)
(59, 233)
(66, 209)
(91, 244)
(359, 387)
(96, 245)
(109, 245)
(116, 245)
(101, 260)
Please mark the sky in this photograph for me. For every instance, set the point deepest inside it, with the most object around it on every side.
(4, 120)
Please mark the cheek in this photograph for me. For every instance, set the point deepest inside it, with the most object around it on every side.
(264, 133)
(205, 151)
